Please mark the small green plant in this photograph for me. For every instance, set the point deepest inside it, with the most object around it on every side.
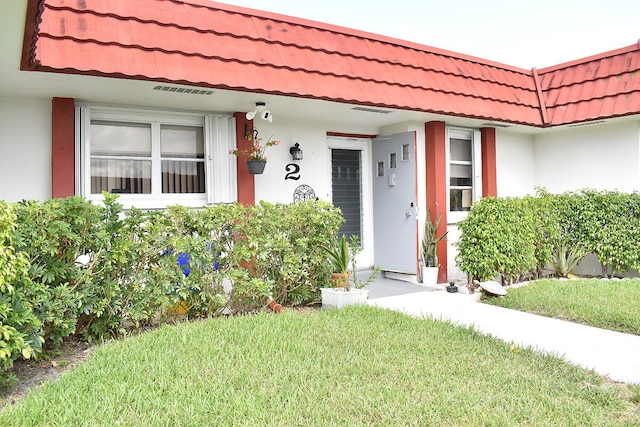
(340, 255)
(355, 281)
(564, 260)
(340, 258)
(430, 241)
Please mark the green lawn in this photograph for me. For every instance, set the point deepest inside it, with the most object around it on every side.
(608, 304)
(356, 366)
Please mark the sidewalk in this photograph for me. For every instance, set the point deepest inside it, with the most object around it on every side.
(613, 354)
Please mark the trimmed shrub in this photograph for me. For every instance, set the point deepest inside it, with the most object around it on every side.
(497, 240)
(20, 333)
(498, 234)
(269, 250)
(68, 266)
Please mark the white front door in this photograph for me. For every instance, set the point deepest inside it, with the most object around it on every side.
(395, 213)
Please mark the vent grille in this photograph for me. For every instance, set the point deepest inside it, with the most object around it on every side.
(495, 125)
(371, 110)
(586, 124)
(176, 89)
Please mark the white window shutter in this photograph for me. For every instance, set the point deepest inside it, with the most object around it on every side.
(220, 167)
(477, 165)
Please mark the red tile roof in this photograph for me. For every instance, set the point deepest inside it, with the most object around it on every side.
(203, 43)
(601, 86)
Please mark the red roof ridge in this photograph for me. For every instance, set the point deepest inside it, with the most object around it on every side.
(597, 57)
(543, 107)
(210, 4)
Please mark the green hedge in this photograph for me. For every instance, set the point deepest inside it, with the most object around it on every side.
(68, 266)
(506, 239)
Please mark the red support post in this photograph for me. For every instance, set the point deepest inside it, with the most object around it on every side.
(62, 147)
(436, 192)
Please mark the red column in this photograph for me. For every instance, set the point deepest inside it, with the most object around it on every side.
(246, 183)
(488, 146)
(62, 147)
(436, 168)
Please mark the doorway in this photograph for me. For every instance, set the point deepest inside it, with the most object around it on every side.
(351, 191)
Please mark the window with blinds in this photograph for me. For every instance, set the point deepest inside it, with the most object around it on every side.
(460, 174)
(154, 158)
(182, 153)
(346, 171)
(464, 171)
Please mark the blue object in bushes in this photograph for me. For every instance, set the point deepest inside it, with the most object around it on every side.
(183, 262)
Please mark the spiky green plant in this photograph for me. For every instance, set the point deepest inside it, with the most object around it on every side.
(565, 260)
(430, 241)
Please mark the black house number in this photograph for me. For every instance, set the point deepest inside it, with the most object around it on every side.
(293, 171)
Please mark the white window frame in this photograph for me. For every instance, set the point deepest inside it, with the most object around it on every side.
(454, 217)
(220, 167)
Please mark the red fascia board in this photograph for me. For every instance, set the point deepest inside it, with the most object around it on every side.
(32, 20)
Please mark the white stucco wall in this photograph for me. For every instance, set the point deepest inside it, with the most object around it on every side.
(272, 185)
(25, 149)
(601, 156)
(515, 169)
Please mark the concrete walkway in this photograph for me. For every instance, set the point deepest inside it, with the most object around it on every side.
(613, 354)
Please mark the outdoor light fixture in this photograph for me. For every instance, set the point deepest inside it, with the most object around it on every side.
(296, 152)
(261, 111)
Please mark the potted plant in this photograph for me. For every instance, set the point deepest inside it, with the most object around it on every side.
(348, 288)
(429, 250)
(340, 257)
(256, 158)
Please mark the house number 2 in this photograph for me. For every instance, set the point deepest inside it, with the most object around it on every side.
(293, 171)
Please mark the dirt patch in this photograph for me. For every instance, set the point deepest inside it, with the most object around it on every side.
(31, 374)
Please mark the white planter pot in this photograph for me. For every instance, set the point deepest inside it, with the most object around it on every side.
(429, 275)
(337, 298)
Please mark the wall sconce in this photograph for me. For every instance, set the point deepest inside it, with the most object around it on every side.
(261, 111)
(296, 152)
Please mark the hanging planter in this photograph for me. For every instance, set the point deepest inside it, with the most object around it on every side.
(256, 167)
(256, 159)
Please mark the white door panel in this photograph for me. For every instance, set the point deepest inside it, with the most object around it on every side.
(394, 203)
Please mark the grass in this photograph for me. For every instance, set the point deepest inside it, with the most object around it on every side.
(608, 304)
(355, 366)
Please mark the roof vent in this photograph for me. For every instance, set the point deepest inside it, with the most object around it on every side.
(371, 110)
(495, 125)
(176, 89)
(585, 124)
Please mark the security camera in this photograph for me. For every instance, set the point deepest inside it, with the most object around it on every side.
(266, 115)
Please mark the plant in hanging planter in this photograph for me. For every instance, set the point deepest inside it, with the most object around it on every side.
(255, 154)
(429, 249)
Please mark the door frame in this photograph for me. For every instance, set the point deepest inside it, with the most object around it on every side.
(365, 257)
